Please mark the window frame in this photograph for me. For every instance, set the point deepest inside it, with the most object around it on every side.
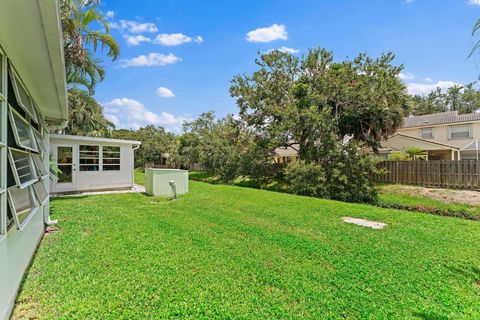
(470, 131)
(42, 148)
(12, 113)
(432, 134)
(108, 165)
(40, 201)
(98, 152)
(16, 220)
(16, 82)
(40, 174)
(14, 168)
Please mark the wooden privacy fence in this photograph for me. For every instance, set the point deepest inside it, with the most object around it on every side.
(464, 174)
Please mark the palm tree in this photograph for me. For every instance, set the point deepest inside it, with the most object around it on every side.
(81, 42)
(413, 153)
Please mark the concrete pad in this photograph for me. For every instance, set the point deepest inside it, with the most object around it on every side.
(365, 223)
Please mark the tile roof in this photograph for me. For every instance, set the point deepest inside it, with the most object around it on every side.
(439, 118)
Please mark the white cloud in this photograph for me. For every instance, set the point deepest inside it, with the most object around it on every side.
(427, 79)
(132, 114)
(136, 40)
(175, 39)
(406, 76)
(424, 89)
(151, 60)
(133, 26)
(474, 2)
(268, 34)
(110, 14)
(288, 50)
(165, 92)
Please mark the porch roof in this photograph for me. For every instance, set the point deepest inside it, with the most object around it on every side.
(401, 141)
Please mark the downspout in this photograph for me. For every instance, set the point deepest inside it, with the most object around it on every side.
(133, 164)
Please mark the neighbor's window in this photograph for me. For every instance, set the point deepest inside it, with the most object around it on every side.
(111, 158)
(22, 131)
(40, 192)
(460, 132)
(22, 167)
(89, 158)
(21, 204)
(23, 98)
(427, 133)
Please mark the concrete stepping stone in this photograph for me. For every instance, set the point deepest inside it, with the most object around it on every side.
(365, 223)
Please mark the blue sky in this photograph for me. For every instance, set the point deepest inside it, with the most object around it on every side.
(178, 57)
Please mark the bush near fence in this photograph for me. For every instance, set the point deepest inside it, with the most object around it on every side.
(450, 174)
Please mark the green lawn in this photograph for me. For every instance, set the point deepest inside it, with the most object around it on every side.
(229, 252)
(139, 176)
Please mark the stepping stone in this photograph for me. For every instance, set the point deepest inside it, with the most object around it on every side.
(365, 223)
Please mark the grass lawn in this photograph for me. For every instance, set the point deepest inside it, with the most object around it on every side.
(139, 176)
(229, 252)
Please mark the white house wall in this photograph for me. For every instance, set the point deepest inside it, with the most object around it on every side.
(98, 180)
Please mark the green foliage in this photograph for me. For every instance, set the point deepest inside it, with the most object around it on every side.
(464, 99)
(408, 154)
(82, 38)
(226, 252)
(284, 98)
(345, 176)
(157, 144)
(306, 179)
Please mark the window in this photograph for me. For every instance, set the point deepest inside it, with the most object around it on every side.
(21, 204)
(65, 164)
(89, 158)
(427, 133)
(111, 158)
(23, 98)
(22, 167)
(460, 132)
(39, 140)
(22, 131)
(39, 165)
(40, 192)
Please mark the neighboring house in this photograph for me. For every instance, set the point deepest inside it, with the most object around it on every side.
(33, 100)
(444, 136)
(91, 164)
(285, 154)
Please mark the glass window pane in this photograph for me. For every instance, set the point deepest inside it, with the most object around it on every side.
(22, 167)
(22, 131)
(39, 140)
(41, 169)
(65, 176)
(21, 203)
(40, 192)
(111, 167)
(111, 158)
(427, 133)
(89, 158)
(23, 98)
(64, 155)
(458, 132)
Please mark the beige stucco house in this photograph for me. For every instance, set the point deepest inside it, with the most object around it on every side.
(444, 136)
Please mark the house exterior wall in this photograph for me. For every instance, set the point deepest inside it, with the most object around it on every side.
(96, 180)
(17, 244)
(440, 134)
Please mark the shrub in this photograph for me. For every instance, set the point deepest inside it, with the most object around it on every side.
(344, 175)
(306, 179)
